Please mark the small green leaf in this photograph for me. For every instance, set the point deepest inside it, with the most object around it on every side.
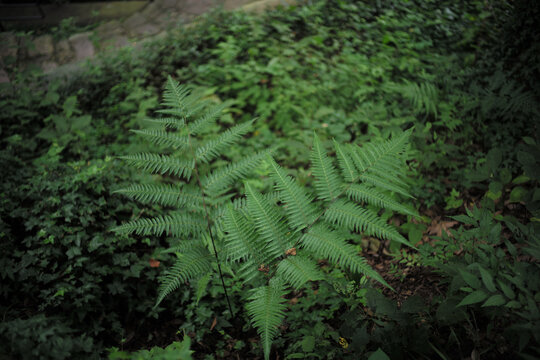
(379, 355)
(521, 179)
(518, 194)
(495, 300)
(505, 176)
(487, 279)
(507, 290)
(470, 279)
(473, 298)
(308, 343)
(493, 159)
(495, 187)
(513, 304)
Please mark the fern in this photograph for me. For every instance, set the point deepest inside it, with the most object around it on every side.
(271, 241)
(353, 217)
(161, 164)
(284, 242)
(327, 183)
(267, 309)
(298, 270)
(424, 96)
(189, 265)
(197, 199)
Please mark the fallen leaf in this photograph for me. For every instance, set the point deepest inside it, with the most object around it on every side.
(213, 324)
(436, 228)
(154, 263)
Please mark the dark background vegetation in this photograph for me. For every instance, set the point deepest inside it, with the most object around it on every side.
(463, 73)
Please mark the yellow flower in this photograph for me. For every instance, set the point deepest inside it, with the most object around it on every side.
(343, 342)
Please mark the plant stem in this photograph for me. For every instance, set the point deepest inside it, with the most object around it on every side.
(208, 223)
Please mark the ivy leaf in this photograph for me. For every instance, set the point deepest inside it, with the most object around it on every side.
(473, 298)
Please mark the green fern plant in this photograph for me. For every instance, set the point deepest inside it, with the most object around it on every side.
(198, 194)
(278, 239)
(271, 241)
(424, 96)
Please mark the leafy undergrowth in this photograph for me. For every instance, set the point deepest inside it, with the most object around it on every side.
(462, 73)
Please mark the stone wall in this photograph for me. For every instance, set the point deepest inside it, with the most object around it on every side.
(48, 53)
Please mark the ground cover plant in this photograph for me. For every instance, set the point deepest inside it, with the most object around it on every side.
(317, 76)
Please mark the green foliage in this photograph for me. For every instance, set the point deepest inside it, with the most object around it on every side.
(492, 278)
(463, 73)
(175, 351)
(257, 234)
(45, 338)
(192, 154)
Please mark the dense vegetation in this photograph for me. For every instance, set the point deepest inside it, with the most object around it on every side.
(452, 241)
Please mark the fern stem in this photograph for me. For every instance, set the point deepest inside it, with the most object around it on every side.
(209, 225)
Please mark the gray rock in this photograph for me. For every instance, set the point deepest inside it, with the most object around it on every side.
(197, 7)
(133, 22)
(109, 29)
(145, 30)
(63, 52)
(114, 42)
(4, 78)
(43, 46)
(8, 45)
(82, 46)
(48, 66)
(170, 4)
(153, 10)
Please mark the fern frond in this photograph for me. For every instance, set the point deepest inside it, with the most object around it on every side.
(162, 137)
(298, 270)
(266, 308)
(268, 222)
(180, 100)
(242, 240)
(213, 148)
(223, 177)
(171, 122)
(424, 96)
(345, 163)
(194, 263)
(385, 183)
(380, 156)
(161, 164)
(331, 245)
(327, 183)
(207, 119)
(351, 216)
(175, 225)
(174, 94)
(164, 194)
(370, 195)
(300, 212)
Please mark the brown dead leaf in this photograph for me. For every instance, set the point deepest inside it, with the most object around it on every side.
(437, 226)
(213, 324)
(154, 263)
